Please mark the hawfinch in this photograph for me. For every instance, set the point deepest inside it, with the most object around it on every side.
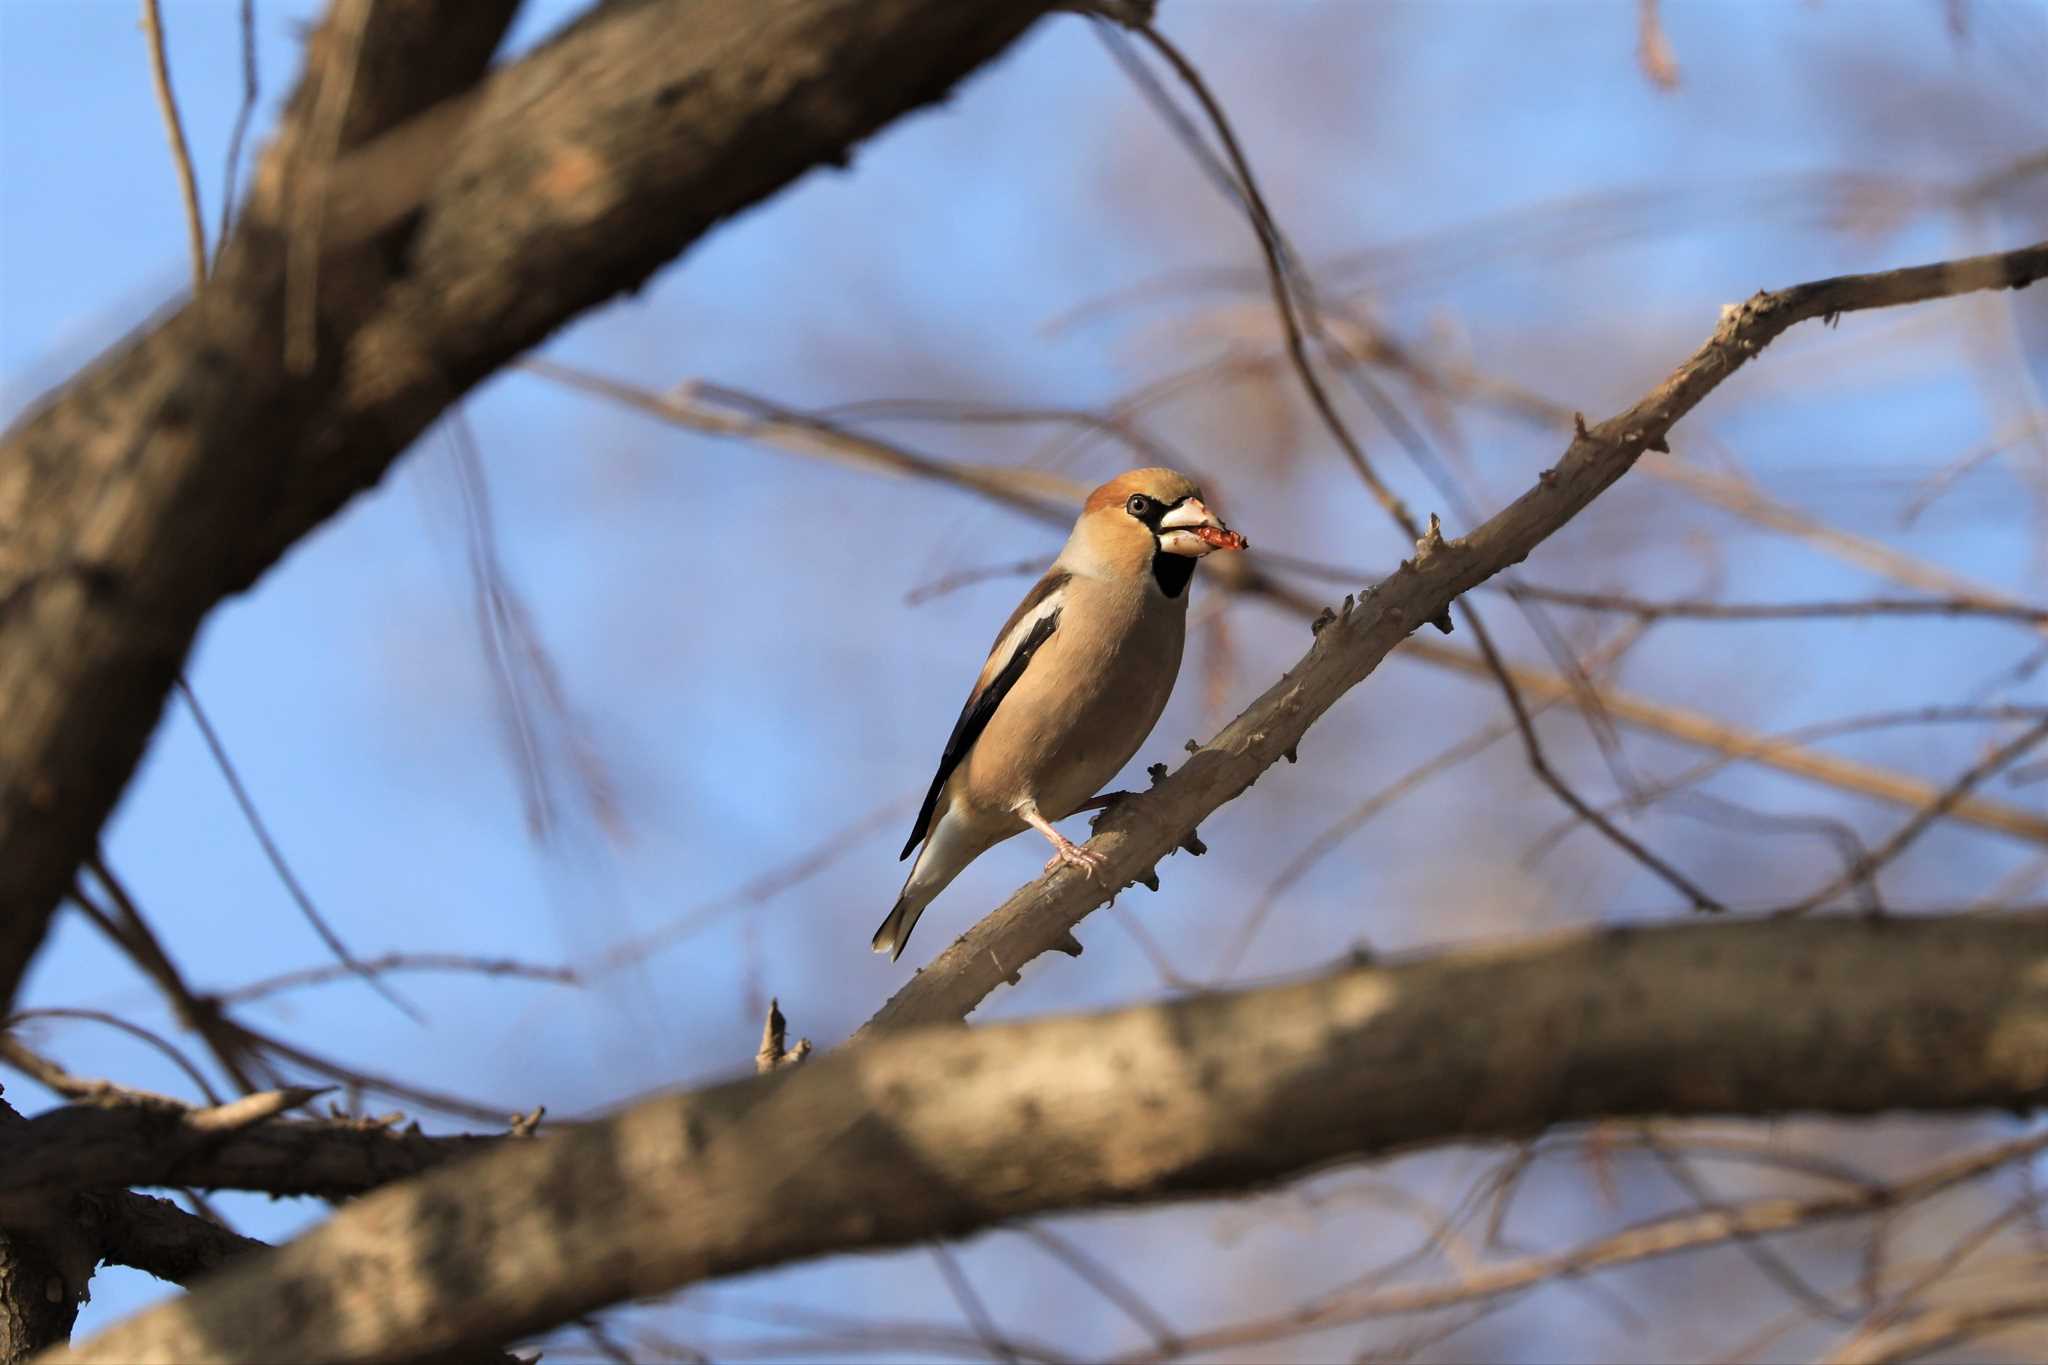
(1077, 678)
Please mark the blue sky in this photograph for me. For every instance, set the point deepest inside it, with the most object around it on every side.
(751, 686)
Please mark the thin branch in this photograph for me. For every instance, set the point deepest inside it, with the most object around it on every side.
(251, 89)
(1106, 1282)
(134, 1030)
(1760, 1253)
(82, 1089)
(971, 1306)
(1355, 819)
(275, 855)
(1937, 1328)
(1780, 752)
(357, 1079)
(521, 667)
(1694, 610)
(1966, 782)
(131, 932)
(461, 963)
(174, 129)
(720, 411)
(1656, 1238)
(1790, 741)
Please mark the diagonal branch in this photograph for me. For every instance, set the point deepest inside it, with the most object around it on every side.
(944, 1131)
(1138, 833)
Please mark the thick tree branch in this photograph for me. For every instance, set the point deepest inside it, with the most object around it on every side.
(158, 1238)
(183, 463)
(82, 1146)
(1138, 833)
(941, 1132)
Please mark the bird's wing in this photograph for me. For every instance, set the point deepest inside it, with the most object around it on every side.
(1030, 626)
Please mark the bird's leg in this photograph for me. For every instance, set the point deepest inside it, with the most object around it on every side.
(1065, 850)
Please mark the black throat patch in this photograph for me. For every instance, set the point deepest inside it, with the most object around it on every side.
(1171, 571)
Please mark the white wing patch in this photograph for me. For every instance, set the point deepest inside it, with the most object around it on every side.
(1006, 648)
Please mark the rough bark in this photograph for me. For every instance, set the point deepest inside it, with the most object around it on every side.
(45, 1264)
(81, 1146)
(184, 462)
(939, 1132)
(36, 1307)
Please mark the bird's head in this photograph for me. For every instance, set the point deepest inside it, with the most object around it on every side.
(1149, 520)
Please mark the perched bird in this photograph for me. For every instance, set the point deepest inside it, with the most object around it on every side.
(1077, 678)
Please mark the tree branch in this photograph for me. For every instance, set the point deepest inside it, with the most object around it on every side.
(178, 467)
(158, 1238)
(1138, 833)
(945, 1131)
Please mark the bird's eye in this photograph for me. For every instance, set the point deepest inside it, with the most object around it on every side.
(1138, 505)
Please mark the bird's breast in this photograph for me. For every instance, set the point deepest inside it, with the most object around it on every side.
(1090, 697)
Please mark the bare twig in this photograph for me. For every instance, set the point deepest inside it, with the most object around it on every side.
(1358, 816)
(521, 667)
(161, 1044)
(275, 856)
(1105, 1282)
(1935, 1328)
(1792, 742)
(722, 411)
(971, 1307)
(773, 1054)
(131, 932)
(1659, 1237)
(174, 129)
(251, 89)
(386, 963)
(1871, 863)
(475, 1110)
(1781, 752)
(49, 1073)
(1789, 611)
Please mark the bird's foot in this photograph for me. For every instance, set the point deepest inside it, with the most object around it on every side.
(1067, 853)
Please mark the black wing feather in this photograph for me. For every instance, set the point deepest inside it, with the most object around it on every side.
(974, 716)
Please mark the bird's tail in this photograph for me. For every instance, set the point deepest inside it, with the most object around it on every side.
(950, 846)
(895, 930)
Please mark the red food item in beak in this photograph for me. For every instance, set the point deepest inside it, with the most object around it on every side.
(1220, 539)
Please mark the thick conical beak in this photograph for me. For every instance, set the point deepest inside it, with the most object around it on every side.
(1192, 529)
